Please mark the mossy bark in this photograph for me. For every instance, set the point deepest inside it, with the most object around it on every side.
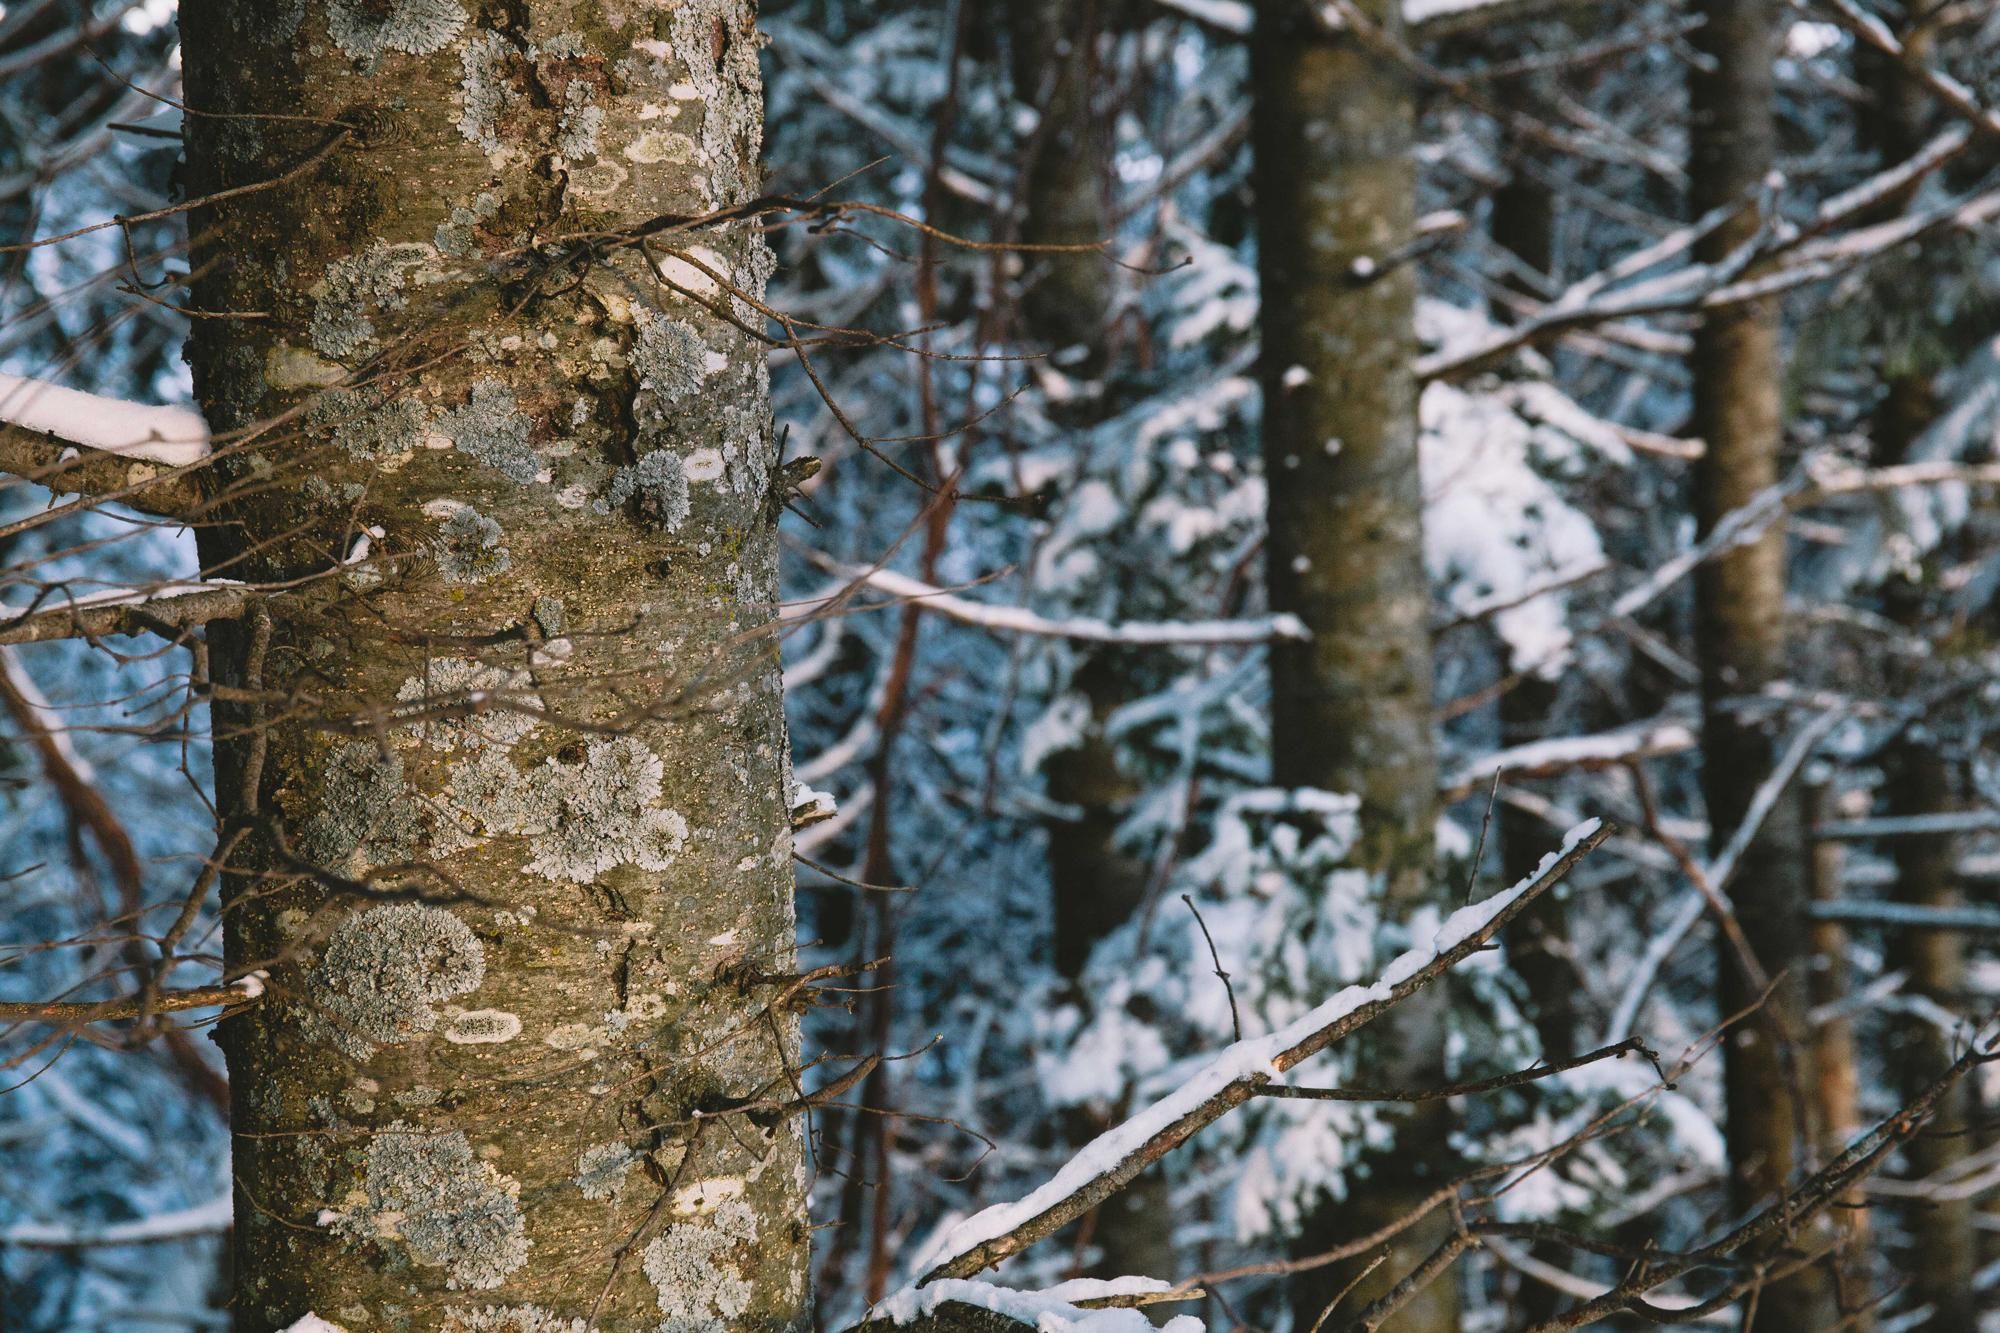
(505, 791)
(1351, 709)
(1740, 625)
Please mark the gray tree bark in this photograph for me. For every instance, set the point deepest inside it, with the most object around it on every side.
(504, 790)
(1351, 709)
(1740, 626)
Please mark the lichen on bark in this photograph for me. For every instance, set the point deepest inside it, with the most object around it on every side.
(533, 767)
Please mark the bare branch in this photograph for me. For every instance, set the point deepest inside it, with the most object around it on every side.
(131, 1006)
(158, 610)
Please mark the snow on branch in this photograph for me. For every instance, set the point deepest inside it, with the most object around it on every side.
(1428, 20)
(1778, 257)
(1109, 1162)
(1820, 475)
(1019, 620)
(81, 443)
(1562, 753)
(1083, 1305)
(201, 1220)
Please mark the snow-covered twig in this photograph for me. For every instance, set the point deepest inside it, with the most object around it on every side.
(1568, 1283)
(1085, 1305)
(1563, 753)
(1428, 20)
(1910, 826)
(201, 1220)
(1907, 916)
(1018, 620)
(1872, 31)
(171, 436)
(75, 442)
(1110, 1162)
(1777, 258)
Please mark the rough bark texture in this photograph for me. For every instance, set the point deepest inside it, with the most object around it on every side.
(1740, 625)
(512, 786)
(1351, 710)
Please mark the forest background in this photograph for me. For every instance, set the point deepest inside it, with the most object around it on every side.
(1242, 484)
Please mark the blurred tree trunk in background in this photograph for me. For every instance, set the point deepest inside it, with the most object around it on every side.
(1065, 307)
(1525, 210)
(1740, 628)
(1918, 778)
(1352, 709)
(523, 952)
(1836, 1074)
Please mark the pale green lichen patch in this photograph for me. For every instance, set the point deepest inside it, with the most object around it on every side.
(366, 29)
(729, 89)
(500, 704)
(604, 814)
(482, 1027)
(486, 94)
(581, 123)
(672, 362)
(289, 367)
(696, 1269)
(657, 485)
(468, 548)
(492, 429)
(454, 237)
(448, 1209)
(582, 812)
(385, 970)
(370, 425)
(354, 290)
(362, 812)
(549, 616)
(604, 1170)
(510, 1319)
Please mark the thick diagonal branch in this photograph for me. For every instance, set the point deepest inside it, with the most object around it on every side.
(68, 468)
(166, 611)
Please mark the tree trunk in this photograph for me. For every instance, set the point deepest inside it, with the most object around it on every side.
(1943, 1242)
(1094, 885)
(1066, 298)
(1351, 710)
(504, 782)
(1740, 626)
(1943, 1247)
(1836, 1071)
